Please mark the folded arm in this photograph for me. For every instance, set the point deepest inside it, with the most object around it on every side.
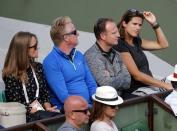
(104, 77)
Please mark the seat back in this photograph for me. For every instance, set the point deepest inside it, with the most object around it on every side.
(2, 96)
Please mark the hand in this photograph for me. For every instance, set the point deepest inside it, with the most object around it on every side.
(168, 86)
(52, 109)
(33, 110)
(106, 73)
(150, 17)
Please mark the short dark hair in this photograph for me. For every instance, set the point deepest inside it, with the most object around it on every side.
(100, 26)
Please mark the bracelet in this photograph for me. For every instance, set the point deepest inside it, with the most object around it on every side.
(155, 25)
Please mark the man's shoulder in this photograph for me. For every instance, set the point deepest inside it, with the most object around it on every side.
(67, 127)
(49, 55)
(117, 53)
(79, 53)
(92, 51)
(52, 57)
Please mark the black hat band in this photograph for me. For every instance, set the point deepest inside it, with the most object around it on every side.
(106, 99)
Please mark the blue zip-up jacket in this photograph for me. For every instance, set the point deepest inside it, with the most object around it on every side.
(68, 77)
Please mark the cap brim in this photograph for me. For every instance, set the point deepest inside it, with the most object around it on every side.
(117, 102)
(171, 78)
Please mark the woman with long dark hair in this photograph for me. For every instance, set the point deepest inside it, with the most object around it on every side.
(105, 107)
(23, 77)
(131, 47)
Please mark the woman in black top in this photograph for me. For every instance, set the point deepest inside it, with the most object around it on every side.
(131, 47)
(23, 77)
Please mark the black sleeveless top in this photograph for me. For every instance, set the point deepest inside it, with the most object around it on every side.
(139, 58)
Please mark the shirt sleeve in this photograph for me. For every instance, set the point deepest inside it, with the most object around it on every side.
(90, 81)
(13, 91)
(55, 79)
(123, 79)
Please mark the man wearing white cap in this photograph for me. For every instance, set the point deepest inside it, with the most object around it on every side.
(106, 101)
(171, 99)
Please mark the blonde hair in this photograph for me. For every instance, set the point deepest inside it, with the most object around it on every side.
(58, 28)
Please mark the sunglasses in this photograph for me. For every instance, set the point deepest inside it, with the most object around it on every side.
(34, 46)
(85, 111)
(113, 106)
(72, 33)
(135, 11)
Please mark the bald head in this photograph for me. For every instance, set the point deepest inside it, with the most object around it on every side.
(76, 111)
(74, 103)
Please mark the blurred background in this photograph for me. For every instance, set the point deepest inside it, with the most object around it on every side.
(85, 12)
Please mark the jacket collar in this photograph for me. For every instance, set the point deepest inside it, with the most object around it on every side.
(109, 55)
(60, 52)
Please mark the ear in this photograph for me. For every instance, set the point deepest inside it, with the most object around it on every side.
(124, 24)
(73, 115)
(66, 38)
(102, 35)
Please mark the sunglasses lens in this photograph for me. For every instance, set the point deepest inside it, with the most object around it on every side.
(85, 111)
(114, 107)
(34, 46)
(75, 32)
(72, 33)
(135, 11)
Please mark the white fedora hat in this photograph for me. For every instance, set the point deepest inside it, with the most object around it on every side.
(107, 95)
(173, 77)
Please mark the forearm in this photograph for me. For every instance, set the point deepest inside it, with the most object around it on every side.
(146, 79)
(121, 81)
(118, 80)
(161, 39)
